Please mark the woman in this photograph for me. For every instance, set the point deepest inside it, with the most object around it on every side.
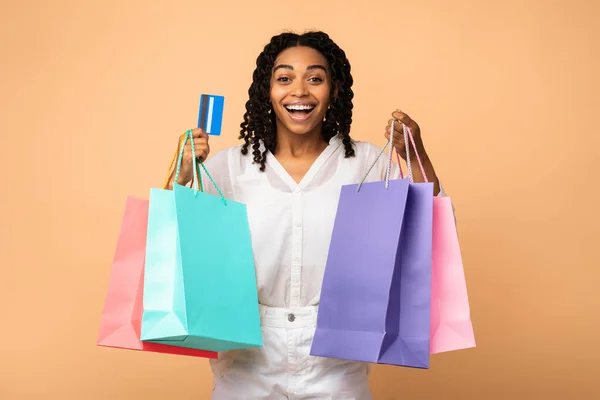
(297, 129)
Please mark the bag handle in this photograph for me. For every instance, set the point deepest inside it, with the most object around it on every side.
(407, 137)
(388, 170)
(197, 178)
(166, 181)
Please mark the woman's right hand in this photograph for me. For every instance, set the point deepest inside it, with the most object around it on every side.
(202, 148)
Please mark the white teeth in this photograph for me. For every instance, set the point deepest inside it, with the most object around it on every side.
(299, 107)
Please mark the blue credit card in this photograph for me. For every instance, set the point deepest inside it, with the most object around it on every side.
(210, 115)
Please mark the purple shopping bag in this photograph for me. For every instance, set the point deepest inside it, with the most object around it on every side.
(376, 293)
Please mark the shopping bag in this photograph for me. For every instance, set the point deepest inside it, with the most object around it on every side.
(451, 326)
(376, 291)
(122, 312)
(200, 280)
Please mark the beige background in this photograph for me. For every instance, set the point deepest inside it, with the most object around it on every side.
(95, 94)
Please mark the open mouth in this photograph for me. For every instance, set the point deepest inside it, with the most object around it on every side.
(300, 112)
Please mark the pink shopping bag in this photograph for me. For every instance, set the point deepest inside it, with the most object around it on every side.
(450, 323)
(451, 327)
(121, 317)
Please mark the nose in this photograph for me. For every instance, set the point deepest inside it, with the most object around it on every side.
(300, 89)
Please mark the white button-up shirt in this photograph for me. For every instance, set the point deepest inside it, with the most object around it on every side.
(291, 223)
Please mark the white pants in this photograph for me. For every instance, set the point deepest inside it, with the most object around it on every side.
(283, 367)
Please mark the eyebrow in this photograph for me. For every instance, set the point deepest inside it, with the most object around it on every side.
(310, 67)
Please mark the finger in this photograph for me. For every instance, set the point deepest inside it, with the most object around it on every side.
(198, 142)
(405, 119)
(201, 142)
(201, 157)
(401, 116)
(398, 141)
(196, 134)
(202, 150)
(397, 127)
(399, 144)
(202, 154)
(199, 133)
(198, 146)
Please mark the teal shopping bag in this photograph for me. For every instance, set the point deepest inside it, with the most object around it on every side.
(200, 284)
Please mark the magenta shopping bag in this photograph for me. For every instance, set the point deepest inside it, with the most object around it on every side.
(451, 327)
(376, 292)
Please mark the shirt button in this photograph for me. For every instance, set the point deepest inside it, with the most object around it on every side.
(291, 317)
(297, 190)
(298, 224)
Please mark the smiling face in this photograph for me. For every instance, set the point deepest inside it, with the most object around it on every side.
(300, 88)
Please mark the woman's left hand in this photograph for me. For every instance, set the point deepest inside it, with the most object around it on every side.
(398, 139)
(398, 142)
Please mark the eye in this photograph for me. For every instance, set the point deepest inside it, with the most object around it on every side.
(283, 79)
(316, 79)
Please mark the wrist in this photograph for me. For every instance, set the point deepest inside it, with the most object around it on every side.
(172, 182)
(181, 182)
(414, 161)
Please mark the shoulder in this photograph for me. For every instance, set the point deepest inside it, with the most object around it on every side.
(223, 166)
(229, 160)
(365, 151)
(362, 149)
(228, 153)
(222, 154)
(365, 148)
(369, 157)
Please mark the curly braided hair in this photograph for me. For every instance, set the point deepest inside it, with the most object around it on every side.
(259, 119)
